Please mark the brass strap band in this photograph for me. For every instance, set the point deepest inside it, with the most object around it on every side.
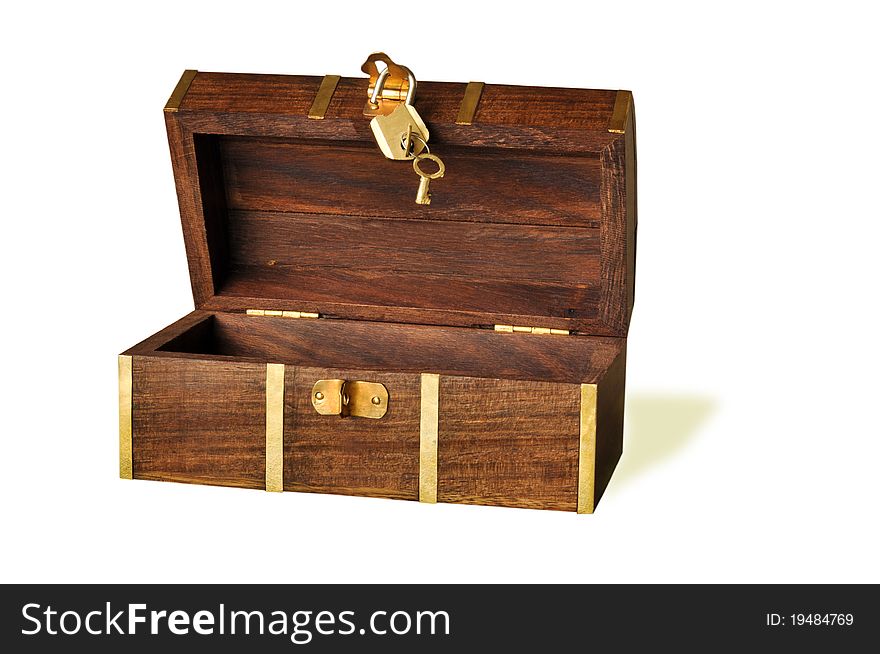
(275, 427)
(428, 430)
(620, 113)
(124, 417)
(180, 90)
(324, 96)
(587, 449)
(468, 108)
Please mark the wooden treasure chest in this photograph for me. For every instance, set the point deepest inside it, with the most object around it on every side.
(406, 290)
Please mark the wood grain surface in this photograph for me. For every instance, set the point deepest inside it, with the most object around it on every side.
(200, 422)
(508, 443)
(352, 456)
(353, 179)
(285, 241)
(500, 104)
(504, 442)
(609, 423)
(261, 184)
(389, 347)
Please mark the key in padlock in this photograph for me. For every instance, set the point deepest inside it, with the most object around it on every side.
(391, 131)
(402, 134)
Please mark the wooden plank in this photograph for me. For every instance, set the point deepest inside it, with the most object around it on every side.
(508, 443)
(282, 241)
(200, 422)
(414, 348)
(615, 275)
(398, 292)
(609, 423)
(482, 185)
(237, 303)
(192, 215)
(352, 456)
(437, 102)
(504, 138)
(632, 218)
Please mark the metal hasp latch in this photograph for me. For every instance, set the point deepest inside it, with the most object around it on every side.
(338, 397)
(388, 87)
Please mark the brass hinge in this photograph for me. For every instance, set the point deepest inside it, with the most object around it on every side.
(282, 314)
(531, 330)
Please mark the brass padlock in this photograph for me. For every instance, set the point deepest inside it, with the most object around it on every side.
(399, 131)
(402, 134)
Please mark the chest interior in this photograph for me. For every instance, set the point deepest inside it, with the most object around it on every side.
(332, 227)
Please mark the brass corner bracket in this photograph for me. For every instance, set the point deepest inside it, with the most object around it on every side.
(429, 428)
(275, 427)
(620, 113)
(468, 108)
(176, 99)
(323, 97)
(586, 485)
(125, 402)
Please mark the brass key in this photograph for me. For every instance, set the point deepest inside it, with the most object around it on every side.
(423, 195)
(400, 132)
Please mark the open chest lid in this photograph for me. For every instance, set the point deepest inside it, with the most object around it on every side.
(533, 223)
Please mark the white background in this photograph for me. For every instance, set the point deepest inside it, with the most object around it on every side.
(752, 441)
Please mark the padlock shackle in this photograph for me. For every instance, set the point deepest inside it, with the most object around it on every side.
(380, 85)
